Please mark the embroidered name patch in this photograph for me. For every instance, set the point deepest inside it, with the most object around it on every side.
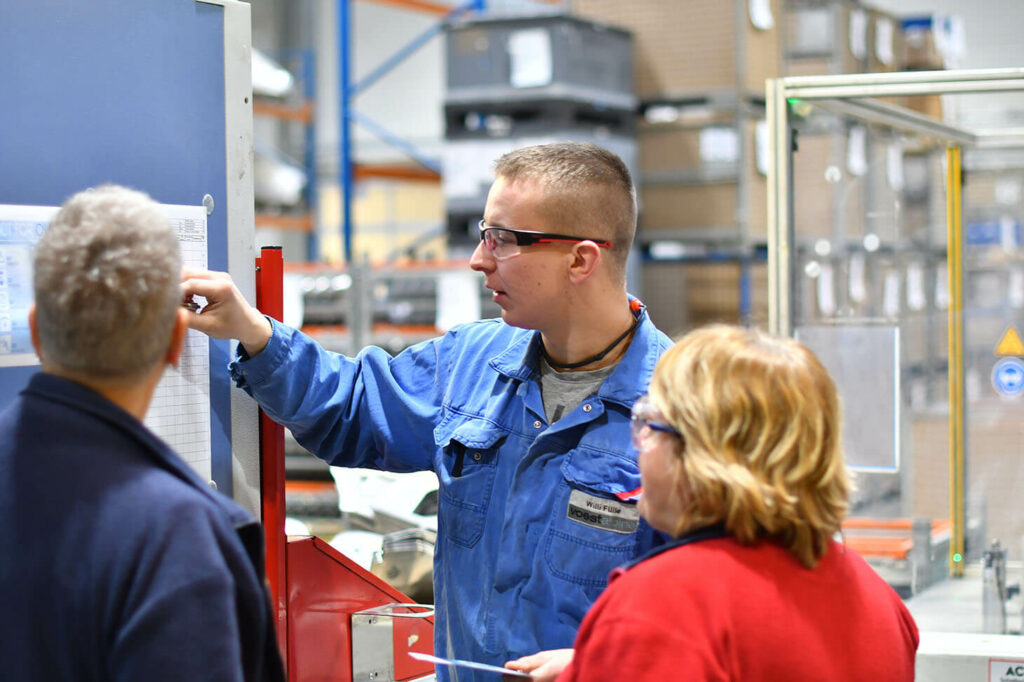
(600, 512)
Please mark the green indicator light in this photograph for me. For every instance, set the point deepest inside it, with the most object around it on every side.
(958, 557)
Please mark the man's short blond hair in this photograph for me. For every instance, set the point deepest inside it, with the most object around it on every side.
(588, 192)
(760, 424)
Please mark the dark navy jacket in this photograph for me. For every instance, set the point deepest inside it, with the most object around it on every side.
(116, 561)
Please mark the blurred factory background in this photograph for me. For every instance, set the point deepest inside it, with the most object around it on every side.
(376, 123)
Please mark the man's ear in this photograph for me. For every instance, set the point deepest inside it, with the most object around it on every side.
(33, 329)
(178, 333)
(586, 257)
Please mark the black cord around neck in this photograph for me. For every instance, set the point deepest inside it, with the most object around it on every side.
(593, 358)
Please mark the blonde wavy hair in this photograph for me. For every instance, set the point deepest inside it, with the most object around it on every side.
(760, 424)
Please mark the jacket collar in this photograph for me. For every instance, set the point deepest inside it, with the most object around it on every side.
(711, 532)
(522, 357)
(57, 389)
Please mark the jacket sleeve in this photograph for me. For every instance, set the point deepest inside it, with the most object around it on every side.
(372, 410)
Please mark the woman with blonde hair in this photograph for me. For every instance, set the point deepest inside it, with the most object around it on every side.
(741, 463)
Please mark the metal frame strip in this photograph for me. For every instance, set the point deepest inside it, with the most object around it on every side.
(779, 218)
(957, 440)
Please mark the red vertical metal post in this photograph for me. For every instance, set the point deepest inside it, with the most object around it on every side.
(270, 301)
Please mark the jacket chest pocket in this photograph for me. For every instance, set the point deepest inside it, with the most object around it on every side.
(468, 451)
(591, 531)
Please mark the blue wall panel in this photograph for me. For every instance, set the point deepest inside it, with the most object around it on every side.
(122, 91)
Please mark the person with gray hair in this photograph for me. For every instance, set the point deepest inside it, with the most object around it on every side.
(524, 419)
(118, 561)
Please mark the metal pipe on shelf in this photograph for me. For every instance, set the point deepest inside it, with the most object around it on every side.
(345, 126)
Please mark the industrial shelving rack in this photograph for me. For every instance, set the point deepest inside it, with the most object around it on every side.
(296, 110)
(347, 90)
(700, 76)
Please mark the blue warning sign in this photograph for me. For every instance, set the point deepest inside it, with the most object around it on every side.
(1008, 376)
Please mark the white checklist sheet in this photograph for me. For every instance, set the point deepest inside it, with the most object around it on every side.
(180, 410)
(20, 229)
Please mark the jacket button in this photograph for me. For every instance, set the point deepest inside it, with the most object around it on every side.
(588, 407)
(537, 424)
(476, 456)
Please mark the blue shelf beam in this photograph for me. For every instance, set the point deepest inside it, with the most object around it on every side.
(347, 92)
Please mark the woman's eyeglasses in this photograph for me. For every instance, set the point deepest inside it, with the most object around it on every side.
(645, 416)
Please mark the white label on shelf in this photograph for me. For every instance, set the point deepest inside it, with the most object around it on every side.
(761, 14)
(858, 33)
(826, 293)
(761, 147)
(719, 143)
(1016, 289)
(856, 151)
(858, 283)
(530, 54)
(891, 294)
(916, 298)
(941, 287)
(458, 299)
(884, 40)
(1007, 191)
(894, 167)
(1008, 234)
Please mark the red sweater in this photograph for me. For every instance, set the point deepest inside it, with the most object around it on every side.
(716, 610)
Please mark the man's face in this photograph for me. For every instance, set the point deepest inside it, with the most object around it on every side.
(529, 287)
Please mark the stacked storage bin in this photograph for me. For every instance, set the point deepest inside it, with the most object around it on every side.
(524, 80)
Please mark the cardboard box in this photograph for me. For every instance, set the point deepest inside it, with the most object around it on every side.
(684, 296)
(842, 37)
(922, 40)
(828, 39)
(929, 105)
(690, 47)
(885, 42)
(689, 179)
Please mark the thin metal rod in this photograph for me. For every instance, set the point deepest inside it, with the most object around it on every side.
(779, 228)
(893, 89)
(929, 77)
(345, 125)
(395, 141)
(873, 111)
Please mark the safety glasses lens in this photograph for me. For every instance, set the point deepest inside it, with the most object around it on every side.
(502, 243)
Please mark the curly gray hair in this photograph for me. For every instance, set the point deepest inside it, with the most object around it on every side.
(106, 276)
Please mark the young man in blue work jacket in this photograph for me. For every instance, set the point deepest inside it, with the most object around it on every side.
(117, 562)
(525, 420)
